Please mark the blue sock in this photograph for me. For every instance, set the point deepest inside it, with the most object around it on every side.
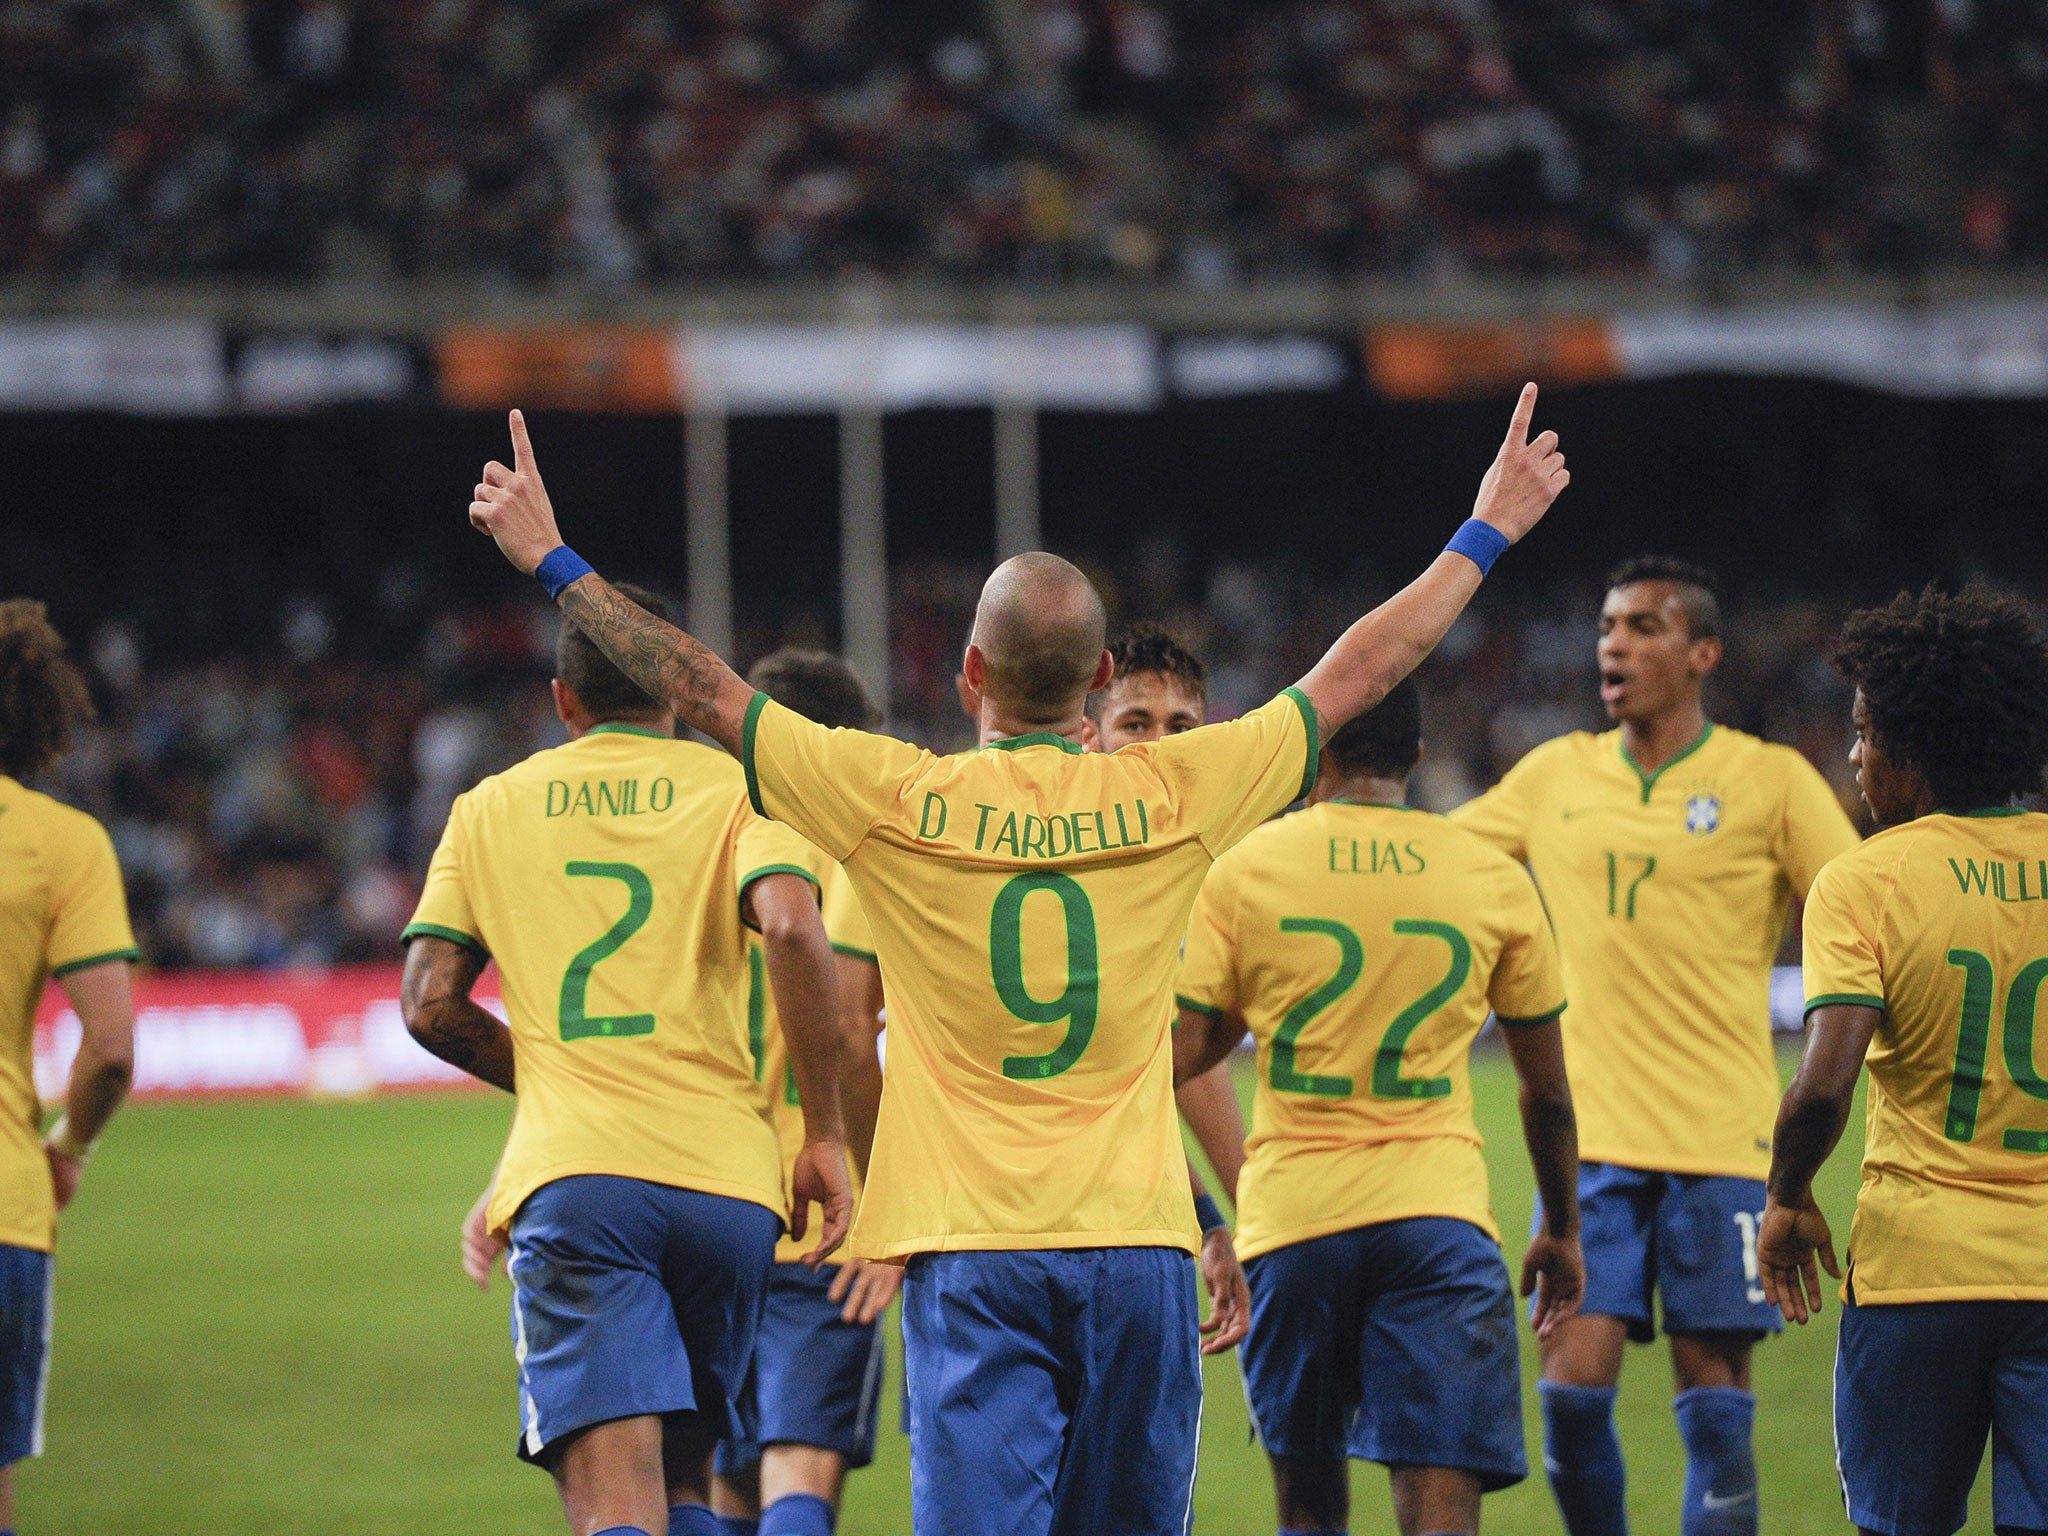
(693, 1520)
(1582, 1454)
(732, 1525)
(1720, 1467)
(798, 1514)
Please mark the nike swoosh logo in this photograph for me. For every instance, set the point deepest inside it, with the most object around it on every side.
(1712, 1504)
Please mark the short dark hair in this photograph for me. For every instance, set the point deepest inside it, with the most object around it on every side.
(816, 684)
(1698, 592)
(601, 687)
(42, 694)
(1386, 739)
(1956, 684)
(1152, 648)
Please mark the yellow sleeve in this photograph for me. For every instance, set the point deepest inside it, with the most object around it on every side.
(89, 925)
(1233, 776)
(1208, 964)
(1841, 959)
(1815, 828)
(444, 910)
(1528, 979)
(846, 925)
(1501, 816)
(767, 847)
(831, 785)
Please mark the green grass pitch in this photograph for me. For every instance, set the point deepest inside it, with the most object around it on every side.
(261, 1328)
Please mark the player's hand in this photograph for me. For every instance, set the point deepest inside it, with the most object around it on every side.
(1554, 1272)
(1788, 1241)
(65, 1172)
(481, 1247)
(1230, 1298)
(866, 1288)
(820, 1175)
(512, 506)
(1524, 479)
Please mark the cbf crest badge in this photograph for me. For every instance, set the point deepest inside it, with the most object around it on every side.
(1702, 814)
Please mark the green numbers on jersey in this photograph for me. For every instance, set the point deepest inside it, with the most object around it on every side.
(1282, 1072)
(576, 1024)
(1973, 1046)
(1387, 1082)
(1621, 899)
(1077, 1004)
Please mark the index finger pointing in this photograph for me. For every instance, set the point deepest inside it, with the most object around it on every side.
(522, 445)
(1518, 424)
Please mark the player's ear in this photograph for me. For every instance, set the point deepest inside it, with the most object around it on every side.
(568, 708)
(1091, 734)
(1105, 669)
(1706, 654)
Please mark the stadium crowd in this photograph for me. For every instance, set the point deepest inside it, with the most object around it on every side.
(280, 809)
(603, 146)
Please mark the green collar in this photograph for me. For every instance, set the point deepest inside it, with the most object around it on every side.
(1987, 811)
(620, 728)
(1378, 805)
(1649, 780)
(1033, 739)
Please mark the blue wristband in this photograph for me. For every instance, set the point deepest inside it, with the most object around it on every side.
(558, 567)
(1481, 543)
(1207, 1214)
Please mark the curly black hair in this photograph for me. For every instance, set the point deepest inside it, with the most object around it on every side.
(1698, 592)
(42, 695)
(1955, 684)
(1148, 647)
(817, 685)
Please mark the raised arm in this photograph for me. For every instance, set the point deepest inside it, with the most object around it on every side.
(1388, 643)
(512, 506)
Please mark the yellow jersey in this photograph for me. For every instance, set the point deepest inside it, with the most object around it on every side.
(62, 909)
(1365, 945)
(1943, 923)
(605, 878)
(1669, 892)
(1027, 901)
(774, 1078)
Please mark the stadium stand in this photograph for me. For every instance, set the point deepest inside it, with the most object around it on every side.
(603, 147)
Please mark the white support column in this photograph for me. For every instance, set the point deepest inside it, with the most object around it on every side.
(863, 544)
(1016, 436)
(707, 526)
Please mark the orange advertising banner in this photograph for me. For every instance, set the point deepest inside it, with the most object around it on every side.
(1441, 362)
(585, 368)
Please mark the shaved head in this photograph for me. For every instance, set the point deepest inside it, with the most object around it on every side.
(1040, 627)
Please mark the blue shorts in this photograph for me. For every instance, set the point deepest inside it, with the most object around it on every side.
(817, 1380)
(1053, 1392)
(1918, 1385)
(1689, 1237)
(1393, 1342)
(25, 1275)
(631, 1298)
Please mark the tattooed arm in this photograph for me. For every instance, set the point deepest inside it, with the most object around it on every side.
(512, 506)
(439, 1013)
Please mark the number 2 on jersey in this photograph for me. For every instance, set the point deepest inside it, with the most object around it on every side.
(1076, 1006)
(575, 1023)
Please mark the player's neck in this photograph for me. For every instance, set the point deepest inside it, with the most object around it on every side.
(1656, 741)
(1362, 789)
(998, 724)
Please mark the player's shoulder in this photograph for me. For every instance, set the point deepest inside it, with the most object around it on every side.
(1565, 752)
(1872, 866)
(1770, 762)
(44, 819)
